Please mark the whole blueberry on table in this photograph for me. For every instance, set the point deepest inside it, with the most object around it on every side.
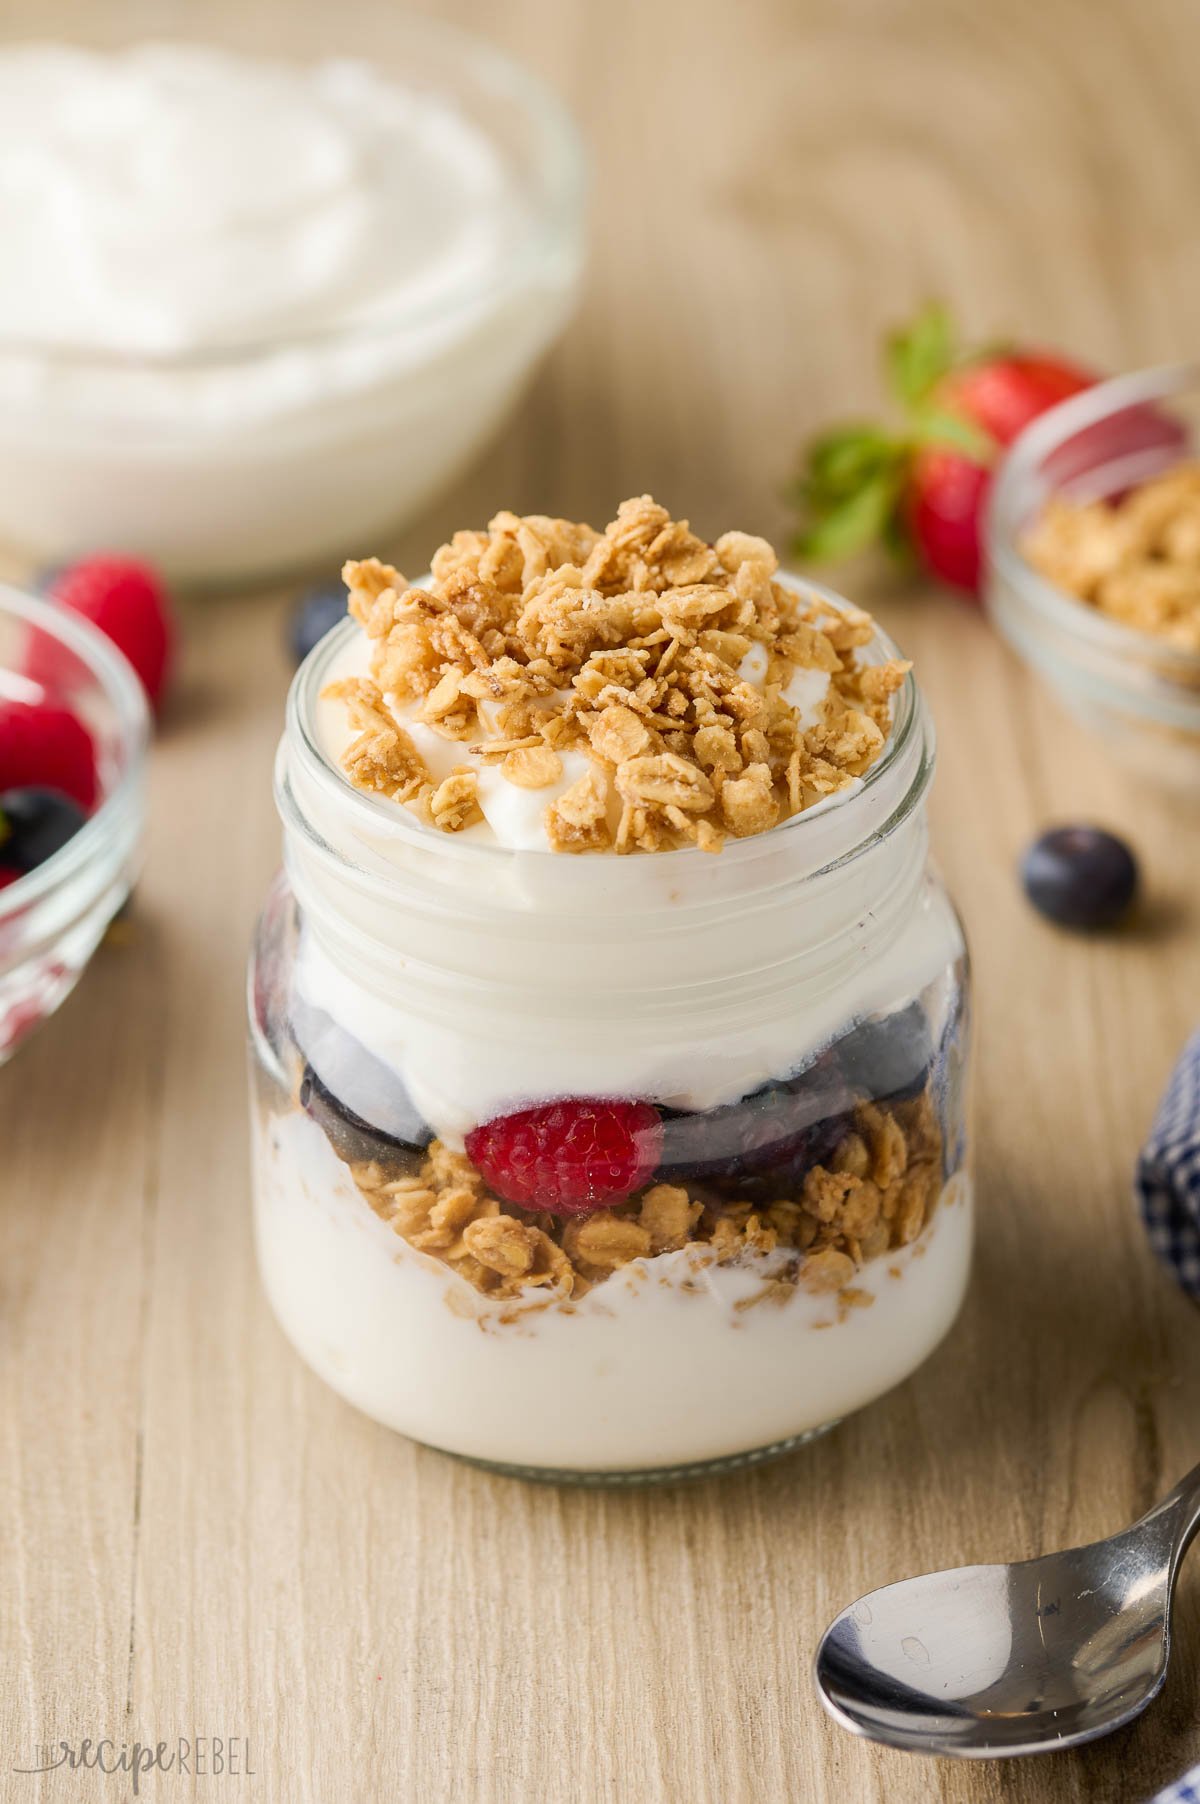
(34, 825)
(315, 613)
(1080, 876)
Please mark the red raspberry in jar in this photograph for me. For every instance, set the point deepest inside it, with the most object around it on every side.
(569, 1157)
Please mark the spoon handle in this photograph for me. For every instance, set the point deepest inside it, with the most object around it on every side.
(1182, 1506)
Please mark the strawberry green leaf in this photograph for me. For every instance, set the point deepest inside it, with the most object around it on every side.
(850, 524)
(842, 460)
(918, 356)
(934, 426)
(896, 538)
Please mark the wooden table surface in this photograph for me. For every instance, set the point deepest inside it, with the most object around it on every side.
(197, 1537)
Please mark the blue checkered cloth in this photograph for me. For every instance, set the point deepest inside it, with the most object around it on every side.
(1184, 1791)
(1168, 1192)
(1168, 1175)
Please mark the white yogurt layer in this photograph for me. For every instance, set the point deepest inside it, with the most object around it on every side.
(641, 1373)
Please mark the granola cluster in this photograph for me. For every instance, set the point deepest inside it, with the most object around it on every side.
(875, 1194)
(1136, 559)
(635, 646)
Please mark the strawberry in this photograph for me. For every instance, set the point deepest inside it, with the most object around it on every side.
(925, 487)
(129, 603)
(569, 1157)
(49, 747)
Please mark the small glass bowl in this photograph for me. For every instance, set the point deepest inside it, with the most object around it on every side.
(1139, 693)
(52, 919)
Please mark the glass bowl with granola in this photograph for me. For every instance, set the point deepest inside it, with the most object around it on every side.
(1093, 545)
(608, 1021)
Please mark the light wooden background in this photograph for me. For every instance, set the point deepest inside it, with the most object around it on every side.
(196, 1536)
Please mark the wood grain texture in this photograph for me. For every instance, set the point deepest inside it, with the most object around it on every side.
(196, 1536)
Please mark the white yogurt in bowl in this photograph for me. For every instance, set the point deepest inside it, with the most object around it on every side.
(252, 311)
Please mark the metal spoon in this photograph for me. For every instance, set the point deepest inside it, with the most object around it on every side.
(1023, 1659)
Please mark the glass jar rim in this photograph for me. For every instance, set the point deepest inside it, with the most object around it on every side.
(122, 689)
(910, 748)
(1085, 626)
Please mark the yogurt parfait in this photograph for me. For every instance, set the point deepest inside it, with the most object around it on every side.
(609, 1025)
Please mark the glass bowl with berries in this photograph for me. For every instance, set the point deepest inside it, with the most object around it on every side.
(1093, 555)
(608, 1022)
(74, 725)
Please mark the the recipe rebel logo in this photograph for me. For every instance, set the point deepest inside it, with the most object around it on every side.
(186, 1756)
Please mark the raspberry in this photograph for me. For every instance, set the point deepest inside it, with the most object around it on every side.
(46, 747)
(8, 875)
(129, 604)
(569, 1157)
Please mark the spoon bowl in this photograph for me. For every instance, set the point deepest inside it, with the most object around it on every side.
(986, 1661)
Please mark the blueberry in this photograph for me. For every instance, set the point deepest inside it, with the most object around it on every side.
(732, 1139)
(35, 824)
(316, 613)
(887, 1057)
(780, 1171)
(365, 1089)
(351, 1138)
(762, 1144)
(1080, 876)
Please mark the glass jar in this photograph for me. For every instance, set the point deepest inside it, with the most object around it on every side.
(766, 1049)
(1140, 693)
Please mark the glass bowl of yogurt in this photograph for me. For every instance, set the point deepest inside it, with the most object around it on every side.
(605, 1165)
(1093, 565)
(53, 917)
(256, 311)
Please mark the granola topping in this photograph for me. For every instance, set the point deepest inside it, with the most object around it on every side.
(661, 691)
(875, 1194)
(1136, 559)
